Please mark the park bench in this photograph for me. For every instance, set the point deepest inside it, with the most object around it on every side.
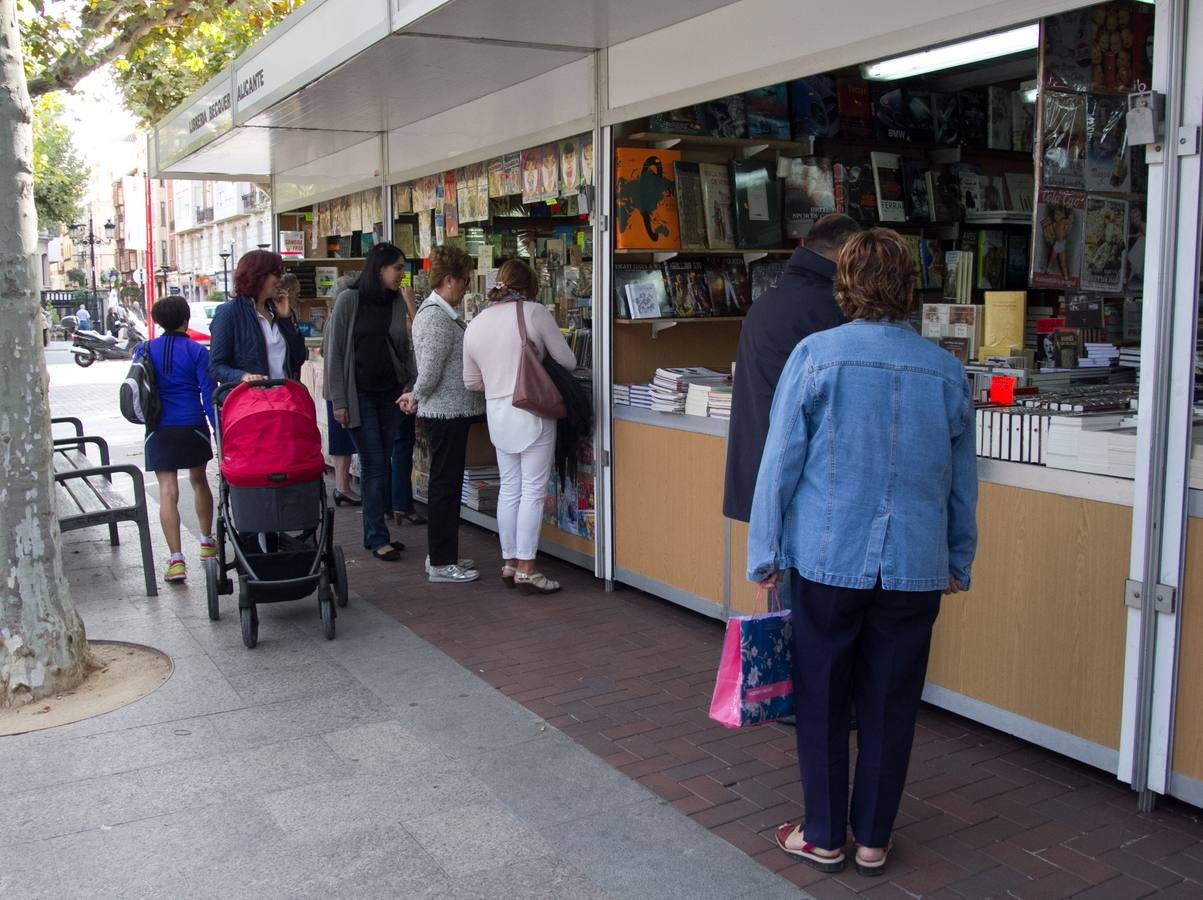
(85, 496)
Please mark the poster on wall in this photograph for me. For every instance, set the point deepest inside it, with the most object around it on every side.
(587, 158)
(424, 229)
(1107, 165)
(403, 199)
(1106, 48)
(570, 166)
(549, 172)
(1063, 140)
(511, 166)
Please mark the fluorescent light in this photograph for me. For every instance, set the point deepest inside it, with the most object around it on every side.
(989, 46)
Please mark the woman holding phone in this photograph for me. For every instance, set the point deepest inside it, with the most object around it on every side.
(254, 335)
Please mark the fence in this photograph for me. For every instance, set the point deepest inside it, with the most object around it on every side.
(65, 303)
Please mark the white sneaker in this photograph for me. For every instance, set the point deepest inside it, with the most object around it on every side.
(462, 563)
(452, 573)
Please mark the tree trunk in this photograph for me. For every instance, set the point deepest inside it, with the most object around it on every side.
(43, 649)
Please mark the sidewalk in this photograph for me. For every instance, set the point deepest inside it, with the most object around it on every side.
(369, 766)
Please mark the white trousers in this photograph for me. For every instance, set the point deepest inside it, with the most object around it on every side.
(520, 497)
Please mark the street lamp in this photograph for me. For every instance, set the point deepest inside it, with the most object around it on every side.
(225, 275)
(86, 235)
(163, 270)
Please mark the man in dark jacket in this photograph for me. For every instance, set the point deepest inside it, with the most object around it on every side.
(800, 304)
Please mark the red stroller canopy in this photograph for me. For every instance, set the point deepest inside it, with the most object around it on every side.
(269, 437)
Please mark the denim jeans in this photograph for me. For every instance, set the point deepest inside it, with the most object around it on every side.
(402, 487)
(373, 441)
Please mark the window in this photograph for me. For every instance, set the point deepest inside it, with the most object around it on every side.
(163, 213)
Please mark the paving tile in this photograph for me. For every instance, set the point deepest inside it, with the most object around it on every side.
(989, 883)
(1056, 886)
(1141, 869)
(1093, 871)
(1119, 888)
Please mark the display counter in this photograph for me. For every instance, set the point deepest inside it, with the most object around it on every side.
(1036, 648)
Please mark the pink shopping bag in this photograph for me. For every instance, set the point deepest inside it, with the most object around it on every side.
(755, 673)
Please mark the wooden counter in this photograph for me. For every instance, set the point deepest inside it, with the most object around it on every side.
(1187, 757)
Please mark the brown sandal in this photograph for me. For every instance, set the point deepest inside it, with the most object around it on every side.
(535, 583)
(807, 853)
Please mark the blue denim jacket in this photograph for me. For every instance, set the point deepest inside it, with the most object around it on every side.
(869, 467)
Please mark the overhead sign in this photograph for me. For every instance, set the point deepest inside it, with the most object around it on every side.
(207, 117)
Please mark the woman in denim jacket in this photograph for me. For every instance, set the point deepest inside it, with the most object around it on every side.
(865, 500)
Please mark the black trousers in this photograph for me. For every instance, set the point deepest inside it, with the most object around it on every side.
(448, 442)
(870, 646)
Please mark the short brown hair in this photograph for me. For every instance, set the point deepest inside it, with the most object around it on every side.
(451, 261)
(875, 276)
(830, 233)
(252, 271)
(515, 275)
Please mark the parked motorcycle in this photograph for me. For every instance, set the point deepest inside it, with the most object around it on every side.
(89, 346)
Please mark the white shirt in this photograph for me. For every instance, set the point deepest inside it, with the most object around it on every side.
(277, 350)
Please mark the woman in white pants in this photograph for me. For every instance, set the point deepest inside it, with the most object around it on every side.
(525, 442)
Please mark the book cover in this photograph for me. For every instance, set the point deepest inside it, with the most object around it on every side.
(918, 201)
(424, 233)
(957, 346)
(686, 120)
(969, 187)
(1134, 259)
(512, 173)
(1058, 238)
(993, 192)
(655, 294)
(757, 198)
(691, 210)
(1106, 244)
(570, 167)
(953, 260)
(998, 123)
(1106, 48)
(946, 119)
(990, 260)
(944, 191)
(889, 113)
(719, 206)
(586, 140)
(325, 277)
(1063, 140)
(1065, 51)
(730, 290)
(496, 178)
(726, 117)
(764, 274)
(688, 288)
(887, 177)
(813, 107)
(450, 206)
(1021, 191)
(1107, 164)
(974, 111)
(1016, 277)
(440, 228)
(854, 107)
(768, 112)
(549, 172)
(856, 192)
(645, 199)
(809, 194)
(920, 120)
(403, 199)
(1023, 123)
(403, 237)
(913, 245)
(532, 165)
(931, 259)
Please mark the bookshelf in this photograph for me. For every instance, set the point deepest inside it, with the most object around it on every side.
(745, 147)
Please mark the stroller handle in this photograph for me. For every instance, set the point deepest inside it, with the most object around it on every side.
(220, 392)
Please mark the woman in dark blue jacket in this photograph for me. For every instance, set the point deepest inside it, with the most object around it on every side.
(180, 439)
(253, 336)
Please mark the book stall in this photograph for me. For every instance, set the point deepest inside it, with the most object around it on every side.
(1055, 238)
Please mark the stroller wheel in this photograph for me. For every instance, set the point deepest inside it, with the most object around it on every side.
(328, 619)
(338, 576)
(250, 627)
(212, 586)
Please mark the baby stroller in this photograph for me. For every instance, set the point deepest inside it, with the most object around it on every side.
(272, 505)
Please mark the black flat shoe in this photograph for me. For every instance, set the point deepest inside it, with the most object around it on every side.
(386, 553)
(340, 498)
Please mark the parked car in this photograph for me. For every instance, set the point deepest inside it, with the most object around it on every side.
(202, 312)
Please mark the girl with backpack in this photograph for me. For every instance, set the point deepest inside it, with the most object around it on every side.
(180, 437)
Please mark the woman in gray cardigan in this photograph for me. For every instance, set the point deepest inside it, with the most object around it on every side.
(369, 365)
(445, 408)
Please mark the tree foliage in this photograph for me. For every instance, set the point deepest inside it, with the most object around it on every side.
(162, 50)
(60, 177)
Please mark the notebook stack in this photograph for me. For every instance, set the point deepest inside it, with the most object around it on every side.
(481, 484)
(720, 402)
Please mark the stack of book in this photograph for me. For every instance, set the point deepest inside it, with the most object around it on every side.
(697, 400)
(720, 402)
(1129, 357)
(1098, 355)
(633, 395)
(481, 484)
(670, 386)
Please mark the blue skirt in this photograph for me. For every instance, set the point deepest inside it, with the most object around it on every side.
(338, 440)
(170, 448)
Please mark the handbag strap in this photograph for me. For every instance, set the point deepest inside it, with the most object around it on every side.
(518, 304)
(770, 596)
